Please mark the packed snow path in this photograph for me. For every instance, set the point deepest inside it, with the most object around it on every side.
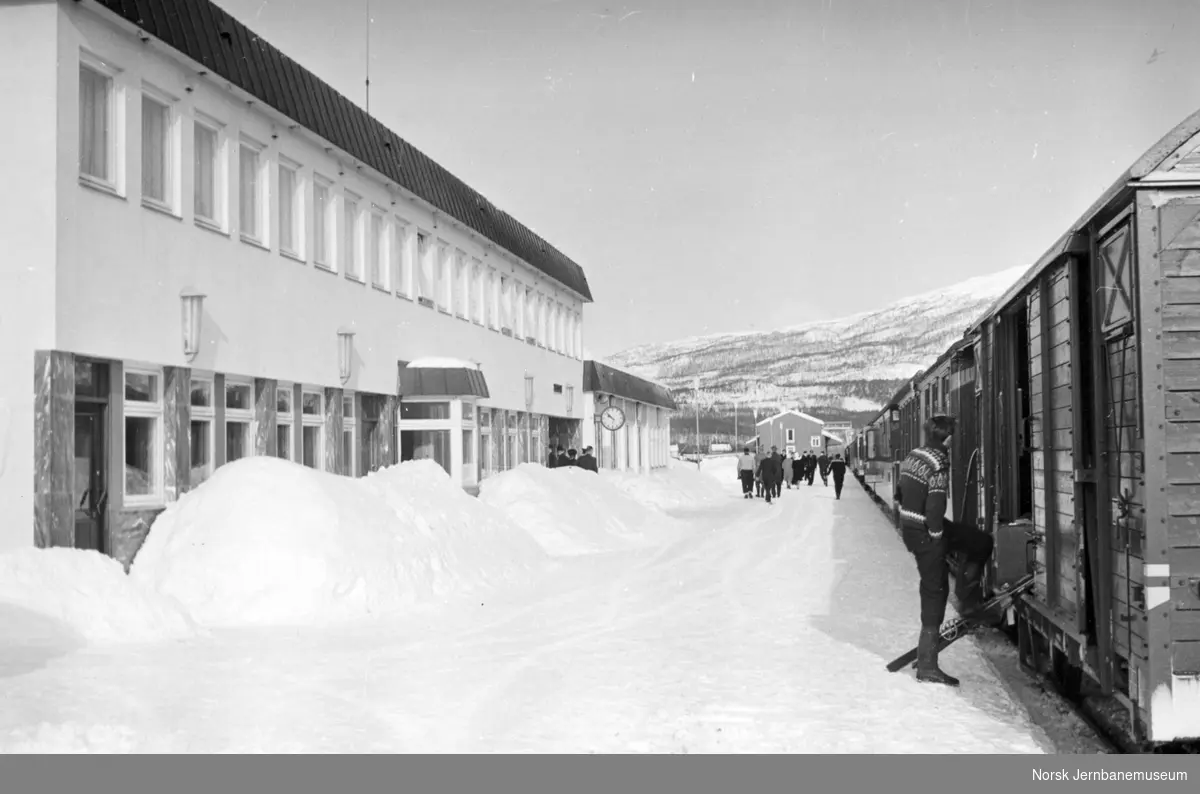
(766, 629)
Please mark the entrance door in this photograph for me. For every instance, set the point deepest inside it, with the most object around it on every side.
(91, 490)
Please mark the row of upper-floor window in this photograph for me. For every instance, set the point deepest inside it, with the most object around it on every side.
(348, 235)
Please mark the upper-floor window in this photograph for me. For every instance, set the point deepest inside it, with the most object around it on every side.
(351, 259)
(323, 234)
(402, 246)
(445, 277)
(252, 192)
(378, 250)
(99, 147)
(425, 265)
(207, 182)
(291, 209)
(158, 150)
(506, 304)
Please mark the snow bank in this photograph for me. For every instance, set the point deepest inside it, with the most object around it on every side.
(270, 541)
(87, 593)
(672, 488)
(571, 511)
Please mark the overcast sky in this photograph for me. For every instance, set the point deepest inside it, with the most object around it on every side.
(737, 164)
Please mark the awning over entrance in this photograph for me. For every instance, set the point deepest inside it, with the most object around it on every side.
(441, 377)
(599, 377)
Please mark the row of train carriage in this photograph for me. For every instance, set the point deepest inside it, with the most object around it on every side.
(1077, 395)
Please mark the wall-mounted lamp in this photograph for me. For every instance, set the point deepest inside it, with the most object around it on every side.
(570, 399)
(528, 392)
(193, 312)
(345, 353)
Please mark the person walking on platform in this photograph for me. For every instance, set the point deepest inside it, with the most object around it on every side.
(838, 469)
(746, 473)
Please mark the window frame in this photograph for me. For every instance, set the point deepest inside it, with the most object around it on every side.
(425, 283)
(324, 242)
(172, 151)
(287, 419)
(114, 181)
(259, 237)
(136, 409)
(404, 255)
(351, 248)
(462, 285)
(239, 415)
(295, 248)
(206, 414)
(349, 427)
(379, 248)
(313, 421)
(219, 221)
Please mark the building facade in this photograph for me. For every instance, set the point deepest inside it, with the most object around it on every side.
(793, 432)
(637, 435)
(215, 255)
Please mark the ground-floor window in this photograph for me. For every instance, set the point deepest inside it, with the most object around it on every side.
(285, 421)
(143, 435)
(427, 444)
(349, 436)
(200, 431)
(510, 445)
(485, 443)
(239, 414)
(312, 419)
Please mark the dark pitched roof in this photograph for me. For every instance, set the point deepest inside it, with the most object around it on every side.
(210, 36)
(599, 377)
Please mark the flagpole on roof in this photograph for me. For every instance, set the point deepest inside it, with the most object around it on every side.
(368, 71)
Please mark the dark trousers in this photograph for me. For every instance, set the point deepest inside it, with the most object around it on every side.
(747, 481)
(837, 486)
(933, 568)
(769, 488)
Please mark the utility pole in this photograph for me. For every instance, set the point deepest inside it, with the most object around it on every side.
(735, 418)
(696, 397)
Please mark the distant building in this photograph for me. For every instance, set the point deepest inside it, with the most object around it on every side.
(793, 432)
(636, 436)
(211, 254)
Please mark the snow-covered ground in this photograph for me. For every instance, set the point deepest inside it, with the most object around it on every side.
(562, 611)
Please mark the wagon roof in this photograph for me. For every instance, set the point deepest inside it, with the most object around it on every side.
(1070, 241)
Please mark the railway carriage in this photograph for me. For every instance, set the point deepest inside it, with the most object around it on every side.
(1078, 397)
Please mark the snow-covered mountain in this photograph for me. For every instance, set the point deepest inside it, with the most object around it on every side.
(839, 367)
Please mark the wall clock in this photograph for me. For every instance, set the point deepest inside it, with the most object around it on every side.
(613, 418)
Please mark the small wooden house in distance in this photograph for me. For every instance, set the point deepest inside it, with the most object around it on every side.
(793, 432)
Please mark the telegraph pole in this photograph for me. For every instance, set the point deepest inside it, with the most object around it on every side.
(696, 397)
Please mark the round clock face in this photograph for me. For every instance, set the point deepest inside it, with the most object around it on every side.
(612, 418)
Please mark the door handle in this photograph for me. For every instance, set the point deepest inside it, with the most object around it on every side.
(83, 498)
(100, 504)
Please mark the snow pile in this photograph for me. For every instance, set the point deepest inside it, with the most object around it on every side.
(271, 541)
(571, 511)
(673, 488)
(88, 594)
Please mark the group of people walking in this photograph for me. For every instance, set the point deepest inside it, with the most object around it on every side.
(765, 474)
(558, 457)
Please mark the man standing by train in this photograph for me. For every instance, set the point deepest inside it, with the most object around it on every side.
(929, 536)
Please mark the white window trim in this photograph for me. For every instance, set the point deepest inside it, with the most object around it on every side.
(116, 137)
(204, 413)
(172, 205)
(220, 169)
(312, 420)
(491, 299)
(478, 291)
(404, 241)
(134, 409)
(350, 425)
(261, 215)
(383, 248)
(286, 420)
(299, 210)
(462, 285)
(351, 251)
(240, 415)
(327, 259)
(426, 264)
(444, 276)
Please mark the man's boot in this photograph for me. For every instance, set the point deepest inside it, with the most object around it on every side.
(969, 594)
(928, 671)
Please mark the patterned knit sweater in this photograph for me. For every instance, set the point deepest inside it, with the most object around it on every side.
(924, 478)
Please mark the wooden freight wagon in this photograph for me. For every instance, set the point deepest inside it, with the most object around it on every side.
(1088, 379)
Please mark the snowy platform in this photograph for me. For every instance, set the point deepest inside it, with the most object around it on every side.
(745, 628)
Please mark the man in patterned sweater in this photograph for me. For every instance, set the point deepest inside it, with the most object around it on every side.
(930, 537)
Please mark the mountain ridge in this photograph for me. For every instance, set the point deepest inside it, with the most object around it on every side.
(836, 368)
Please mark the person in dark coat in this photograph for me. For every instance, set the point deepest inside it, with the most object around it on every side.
(588, 461)
(797, 470)
(838, 469)
(562, 457)
(772, 473)
(759, 457)
(930, 537)
(571, 459)
(810, 467)
(823, 465)
(552, 458)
